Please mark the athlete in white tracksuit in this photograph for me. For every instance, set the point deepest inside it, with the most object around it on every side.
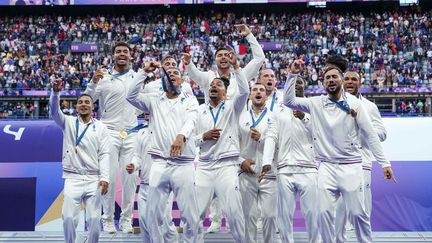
(142, 161)
(120, 117)
(172, 121)
(352, 83)
(289, 131)
(203, 79)
(337, 121)
(217, 138)
(86, 147)
(259, 197)
(251, 70)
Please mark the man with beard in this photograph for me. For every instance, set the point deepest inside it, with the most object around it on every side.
(217, 138)
(86, 148)
(120, 118)
(253, 124)
(268, 79)
(338, 119)
(172, 150)
(296, 169)
(351, 84)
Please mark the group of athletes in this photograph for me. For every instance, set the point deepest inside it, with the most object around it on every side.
(251, 147)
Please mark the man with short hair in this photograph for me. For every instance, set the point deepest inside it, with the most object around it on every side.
(120, 118)
(258, 196)
(217, 138)
(352, 84)
(86, 148)
(338, 119)
(290, 138)
(172, 150)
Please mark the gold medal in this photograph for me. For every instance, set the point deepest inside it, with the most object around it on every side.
(123, 134)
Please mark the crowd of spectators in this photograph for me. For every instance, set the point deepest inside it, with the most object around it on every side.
(392, 49)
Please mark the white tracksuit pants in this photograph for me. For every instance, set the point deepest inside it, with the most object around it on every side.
(170, 234)
(178, 179)
(75, 192)
(122, 152)
(256, 194)
(224, 183)
(341, 212)
(346, 180)
(305, 184)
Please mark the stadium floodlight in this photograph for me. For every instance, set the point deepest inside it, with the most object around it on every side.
(317, 4)
(408, 2)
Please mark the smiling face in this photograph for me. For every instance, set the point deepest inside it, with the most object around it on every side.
(217, 90)
(222, 59)
(122, 56)
(352, 82)
(84, 105)
(267, 78)
(258, 94)
(333, 81)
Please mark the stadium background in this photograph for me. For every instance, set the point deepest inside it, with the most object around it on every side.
(30, 167)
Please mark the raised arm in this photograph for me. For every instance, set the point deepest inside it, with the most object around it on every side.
(55, 112)
(243, 86)
(203, 79)
(251, 70)
(290, 99)
(141, 100)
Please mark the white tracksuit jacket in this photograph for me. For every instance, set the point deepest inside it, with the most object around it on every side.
(90, 159)
(293, 140)
(167, 119)
(227, 146)
(115, 112)
(335, 133)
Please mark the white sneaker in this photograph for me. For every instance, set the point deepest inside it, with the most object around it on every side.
(126, 227)
(214, 227)
(108, 226)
